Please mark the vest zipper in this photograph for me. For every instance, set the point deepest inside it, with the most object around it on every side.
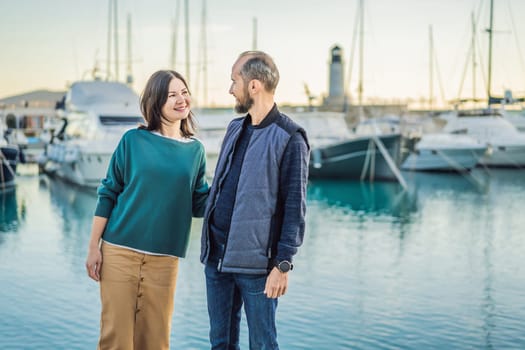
(229, 163)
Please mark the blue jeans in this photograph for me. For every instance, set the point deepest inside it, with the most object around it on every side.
(226, 294)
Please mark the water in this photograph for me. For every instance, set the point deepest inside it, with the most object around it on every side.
(437, 267)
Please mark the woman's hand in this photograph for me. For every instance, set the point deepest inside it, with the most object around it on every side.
(94, 263)
(94, 257)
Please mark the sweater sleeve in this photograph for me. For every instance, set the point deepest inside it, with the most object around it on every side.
(201, 190)
(113, 183)
(293, 182)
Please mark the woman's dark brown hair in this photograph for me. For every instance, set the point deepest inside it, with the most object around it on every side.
(154, 97)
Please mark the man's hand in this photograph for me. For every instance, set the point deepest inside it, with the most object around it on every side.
(276, 284)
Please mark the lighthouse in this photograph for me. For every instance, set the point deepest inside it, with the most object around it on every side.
(336, 93)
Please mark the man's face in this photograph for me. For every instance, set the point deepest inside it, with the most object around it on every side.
(239, 89)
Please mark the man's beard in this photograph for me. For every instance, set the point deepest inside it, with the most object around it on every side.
(244, 105)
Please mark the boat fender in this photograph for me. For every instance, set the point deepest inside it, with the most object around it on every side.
(317, 158)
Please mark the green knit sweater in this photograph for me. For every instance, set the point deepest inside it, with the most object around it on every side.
(153, 187)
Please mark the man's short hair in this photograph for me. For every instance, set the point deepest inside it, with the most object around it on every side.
(260, 66)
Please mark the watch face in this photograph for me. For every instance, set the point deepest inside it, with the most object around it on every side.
(284, 266)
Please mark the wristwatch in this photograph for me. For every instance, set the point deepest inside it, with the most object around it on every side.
(284, 266)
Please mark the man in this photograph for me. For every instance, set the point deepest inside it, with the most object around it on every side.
(254, 219)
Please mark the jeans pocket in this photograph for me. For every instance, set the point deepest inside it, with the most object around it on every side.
(253, 284)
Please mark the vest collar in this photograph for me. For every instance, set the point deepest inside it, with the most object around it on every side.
(271, 117)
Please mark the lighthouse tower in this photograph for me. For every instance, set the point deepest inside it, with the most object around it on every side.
(336, 94)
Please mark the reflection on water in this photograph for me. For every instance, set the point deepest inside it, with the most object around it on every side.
(390, 198)
(371, 198)
(75, 206)
(11, 213)
(74, 202)
(380, 268)
(422, 268)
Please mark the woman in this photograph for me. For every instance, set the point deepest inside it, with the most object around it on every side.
(155, 183)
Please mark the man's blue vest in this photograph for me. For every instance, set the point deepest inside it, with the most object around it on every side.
(255, 224)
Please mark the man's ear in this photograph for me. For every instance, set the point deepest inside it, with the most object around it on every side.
(254, 86)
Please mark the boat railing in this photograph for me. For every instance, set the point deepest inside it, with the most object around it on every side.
(486, 112)
(120, 120)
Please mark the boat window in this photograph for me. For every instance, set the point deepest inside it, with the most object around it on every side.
(460, 131)
(118, 120)
(79, 126)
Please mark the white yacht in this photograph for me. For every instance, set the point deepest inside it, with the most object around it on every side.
(489, 127)
(444, 152)
(96, 114)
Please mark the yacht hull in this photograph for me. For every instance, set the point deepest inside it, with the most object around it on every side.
(506, 144)
(505, 156)
(443, 159)
(87, 170)
(355, 159)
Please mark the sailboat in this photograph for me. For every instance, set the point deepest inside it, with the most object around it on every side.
(506, 144)
(443, 151)
(489, 126)
(338, 153)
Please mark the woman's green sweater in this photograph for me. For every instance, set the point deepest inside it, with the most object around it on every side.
(153, 187)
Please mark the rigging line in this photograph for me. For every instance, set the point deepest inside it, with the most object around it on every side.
(464, 75)
(460, 169)
(457, 59)
(352, 53)
(440, 81)
(482, 66)
(373, 73)
(480, 52)
(516, 39)
(469, 53)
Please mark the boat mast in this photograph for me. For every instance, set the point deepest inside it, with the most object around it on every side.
(431, 69)
(129, 73)
(112, 37)
(490, 31)
(361, 55)
(115, 26)
(473, 57)
(254, 34)
(108, 53)
(187, 37)
(202, 64)
(174, 36)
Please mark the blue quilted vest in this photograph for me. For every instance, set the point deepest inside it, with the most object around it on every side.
(255, 223)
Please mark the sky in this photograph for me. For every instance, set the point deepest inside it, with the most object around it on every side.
(50, 44)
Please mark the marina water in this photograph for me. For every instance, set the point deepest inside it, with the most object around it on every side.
(439, 266)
